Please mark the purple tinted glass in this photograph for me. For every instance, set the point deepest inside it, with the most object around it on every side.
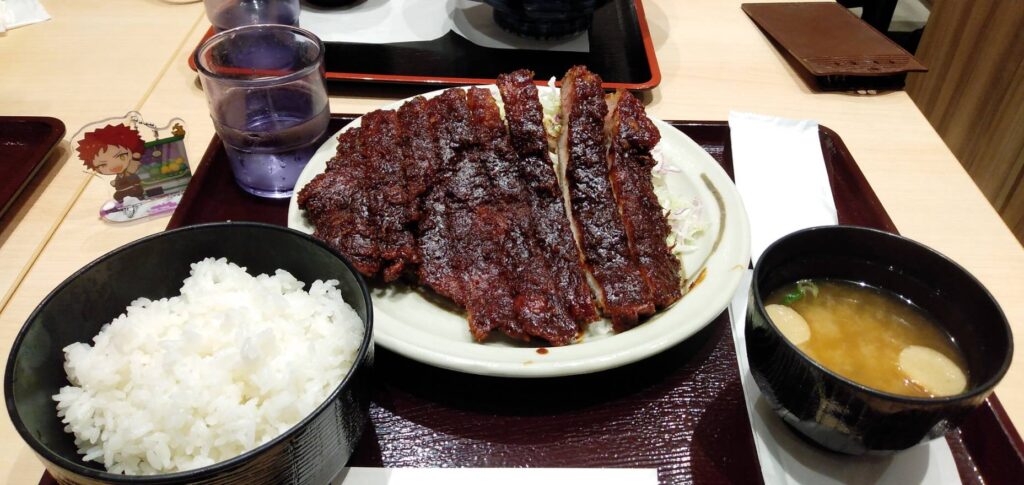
(268, 101)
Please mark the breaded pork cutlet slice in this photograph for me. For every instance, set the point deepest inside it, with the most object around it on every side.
(622, 292)
(631, 137)
(525, 117)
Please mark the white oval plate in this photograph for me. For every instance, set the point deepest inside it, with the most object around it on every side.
(415, 323)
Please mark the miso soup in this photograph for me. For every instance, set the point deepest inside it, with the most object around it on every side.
(870, 336)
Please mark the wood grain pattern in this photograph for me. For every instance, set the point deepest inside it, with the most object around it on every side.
(60, 68)
(93, 59)
(974, 95)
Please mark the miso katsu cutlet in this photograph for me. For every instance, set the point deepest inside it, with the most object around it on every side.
(447, 193)
(554, 239)
(537, 307)
(622, 292)
(473, 200)
(392, 204)
(447, 133)
(361, 204)
(337, 203)
(631, 136)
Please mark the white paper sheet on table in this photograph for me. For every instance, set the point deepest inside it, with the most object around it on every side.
(17, 13)
(780, 174)
(392, 21)
(496, 476)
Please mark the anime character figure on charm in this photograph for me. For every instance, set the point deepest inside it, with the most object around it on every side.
(148, 176)
(115, 150)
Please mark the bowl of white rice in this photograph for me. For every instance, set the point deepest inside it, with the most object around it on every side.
(218, 353)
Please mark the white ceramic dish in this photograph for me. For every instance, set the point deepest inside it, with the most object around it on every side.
(411, 322)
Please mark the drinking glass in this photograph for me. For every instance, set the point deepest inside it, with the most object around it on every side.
(265, 87)
(228, 14)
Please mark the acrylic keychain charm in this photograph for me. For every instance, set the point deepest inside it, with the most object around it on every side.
(148, 176)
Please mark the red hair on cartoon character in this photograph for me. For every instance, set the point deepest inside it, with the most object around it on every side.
(111, 150)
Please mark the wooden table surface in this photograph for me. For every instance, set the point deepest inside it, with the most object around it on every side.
(100, 58)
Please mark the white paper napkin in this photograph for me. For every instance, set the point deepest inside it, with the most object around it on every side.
(780, 174)
(781, 177)
(16, 13)
(391, 21)
(496, 476)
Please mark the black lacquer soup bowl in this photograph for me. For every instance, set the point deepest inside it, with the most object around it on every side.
(842, 415)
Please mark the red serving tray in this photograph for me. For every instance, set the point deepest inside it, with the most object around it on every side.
(25, 143)
(681, 411)
(622, 52)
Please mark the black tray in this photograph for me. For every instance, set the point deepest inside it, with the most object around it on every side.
(25, 143)
(681, 411)
(621, 52)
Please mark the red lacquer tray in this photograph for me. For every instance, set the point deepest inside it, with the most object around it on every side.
(621, 52)
(681, 411)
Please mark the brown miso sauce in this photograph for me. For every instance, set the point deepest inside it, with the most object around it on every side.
(858, 332)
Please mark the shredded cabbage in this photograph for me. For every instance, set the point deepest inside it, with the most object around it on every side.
(551, 102)
(661, 167)
(685, 217)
